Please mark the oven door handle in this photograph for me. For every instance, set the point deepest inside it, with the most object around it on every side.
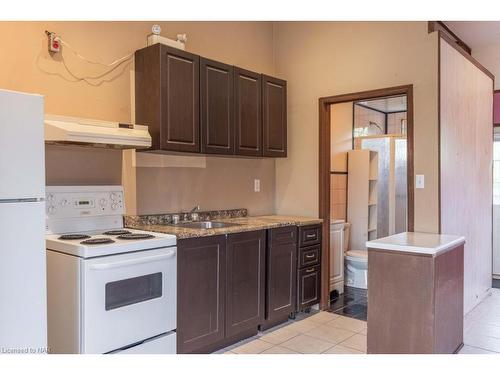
(131, 262)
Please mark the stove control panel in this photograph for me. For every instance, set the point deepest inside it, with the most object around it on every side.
(84, 201)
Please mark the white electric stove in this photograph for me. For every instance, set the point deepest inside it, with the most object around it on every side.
(110, 289)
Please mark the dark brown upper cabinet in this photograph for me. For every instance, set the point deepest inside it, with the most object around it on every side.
(167, 93)
(193, 104)
(274, 123)
(248, 112)
(217, 110)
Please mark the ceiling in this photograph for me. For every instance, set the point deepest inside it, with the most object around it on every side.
(392, 104)
(476, 33)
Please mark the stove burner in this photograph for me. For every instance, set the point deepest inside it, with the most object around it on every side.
(97, 241)
(135, 236)
(117, 232)
(75, 236)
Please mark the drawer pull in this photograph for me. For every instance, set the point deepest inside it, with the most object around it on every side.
(309, 270)
(309, 256)
(311, 235)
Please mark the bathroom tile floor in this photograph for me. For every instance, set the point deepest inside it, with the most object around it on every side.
(352, 303)
(331, 333)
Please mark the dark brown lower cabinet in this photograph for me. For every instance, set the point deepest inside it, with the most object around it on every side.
(309, 286)
(220, 290)
(281, 274)
(246, 266)
(201, 293)
(309, 266)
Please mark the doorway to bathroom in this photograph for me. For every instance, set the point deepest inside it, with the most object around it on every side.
(365, 186)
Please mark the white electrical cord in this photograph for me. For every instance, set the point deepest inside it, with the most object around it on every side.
(81, 57)
(100, 78)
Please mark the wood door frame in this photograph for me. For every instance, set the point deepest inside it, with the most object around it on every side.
(324, 168)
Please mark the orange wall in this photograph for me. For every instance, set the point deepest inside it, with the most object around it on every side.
(332, 58)
(25, 65)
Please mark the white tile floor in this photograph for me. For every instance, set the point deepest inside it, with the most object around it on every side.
(482, 327)
(322, 332)
(329, 333)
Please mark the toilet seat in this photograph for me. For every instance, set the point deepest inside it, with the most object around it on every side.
(357, 255)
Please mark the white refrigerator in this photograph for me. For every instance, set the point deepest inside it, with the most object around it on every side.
(23, 306)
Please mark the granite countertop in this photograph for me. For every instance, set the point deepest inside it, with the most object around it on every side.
(417, 243)
(245, 224)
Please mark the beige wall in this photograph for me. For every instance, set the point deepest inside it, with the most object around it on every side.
(489, 56)
(330, 58)
(221, 183)
(26, 66)
(363, 117)
(340, 135)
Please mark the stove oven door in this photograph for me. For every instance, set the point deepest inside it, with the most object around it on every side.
(128, 298)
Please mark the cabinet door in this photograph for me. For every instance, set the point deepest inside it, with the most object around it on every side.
(281, 278)
(217, 107)
(336, 265)
(309, 286)
(274, 117)
(201, 292)
(148, 91)
(245, 281)
(248, 113)
(180, 90)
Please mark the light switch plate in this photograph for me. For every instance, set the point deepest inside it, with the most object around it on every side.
(256, 185)
(419, 181)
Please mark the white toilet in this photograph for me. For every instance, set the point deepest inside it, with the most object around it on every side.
(356, 264)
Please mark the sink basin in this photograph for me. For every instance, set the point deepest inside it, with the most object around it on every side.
(205, 225)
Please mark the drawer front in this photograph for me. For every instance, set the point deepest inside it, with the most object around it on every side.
(310, 235)
(309, 256)
(283, 235)
(309, 286)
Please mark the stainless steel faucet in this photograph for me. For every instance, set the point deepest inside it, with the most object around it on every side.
(193, 213)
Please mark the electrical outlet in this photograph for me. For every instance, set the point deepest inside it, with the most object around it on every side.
(256, 185)
(419, 181)
(54, 42)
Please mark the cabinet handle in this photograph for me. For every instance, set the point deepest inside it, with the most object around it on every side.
(311, 235)
(309, 270)
(309, 256)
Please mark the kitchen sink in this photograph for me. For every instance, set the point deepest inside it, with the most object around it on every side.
(205, 225)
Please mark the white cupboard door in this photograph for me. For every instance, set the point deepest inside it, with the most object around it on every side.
(22, 146)
(23, 307)
(337, 257)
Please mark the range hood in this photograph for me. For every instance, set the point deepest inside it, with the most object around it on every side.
(95, 133)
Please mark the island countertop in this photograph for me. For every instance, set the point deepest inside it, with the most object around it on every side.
(418, 243)
(245, 224)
